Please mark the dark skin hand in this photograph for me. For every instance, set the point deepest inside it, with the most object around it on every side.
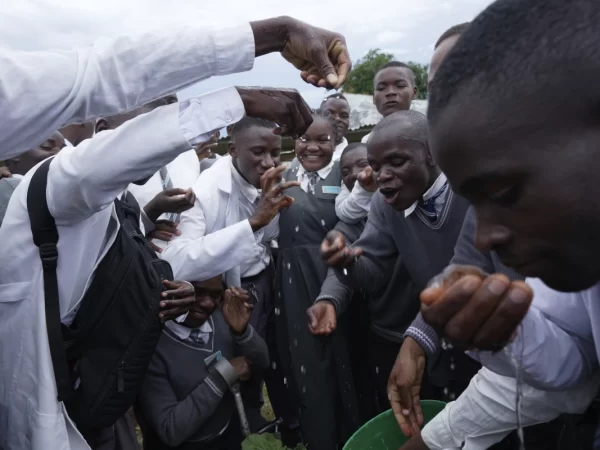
(404, 387)
(177, 300)
(237, 309)
(415, 443)
(321, 55)
(336, 253)
(476, 312)
(322, 318)
(273, 199)
(4, 172)
(204, 149)
(286, 107)
(366, 180)
(164, 230)
(242, 368)
(170, 201)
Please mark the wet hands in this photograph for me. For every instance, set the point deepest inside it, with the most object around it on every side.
(164, 230)
(322, 318)
(273, 198)
(242, 368)
(237, 309)
(177, 300)
(170, 201)
(336, 253)
(404, 386)
(476, 311)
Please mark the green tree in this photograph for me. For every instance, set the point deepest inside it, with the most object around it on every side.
(360, 80)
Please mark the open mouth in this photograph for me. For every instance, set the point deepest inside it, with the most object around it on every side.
(311, 158)
(389, 194)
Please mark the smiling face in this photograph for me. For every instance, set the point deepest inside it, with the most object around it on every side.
(254, 151)
(394, 90)
(533, 181)
(352, 163)
(208, 298)
(339, 109)
(402, 168)
(315, 149)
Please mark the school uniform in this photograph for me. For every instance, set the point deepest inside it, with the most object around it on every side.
(83, 183)
(318, 369)
(353, 206)
(337, 154)
(109, 77)
(185, 402)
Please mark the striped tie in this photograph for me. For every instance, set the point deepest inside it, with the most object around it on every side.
(427, 207)
(166, 185)
(313, 179)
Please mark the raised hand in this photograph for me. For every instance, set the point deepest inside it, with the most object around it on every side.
(404, 387)
(366, 180)
(177, 300)
(170, 201)
(321, 55)
(273, 199)
(237, 309)
(164, 230)
(285, 107)
(336, 253)
(322, 318)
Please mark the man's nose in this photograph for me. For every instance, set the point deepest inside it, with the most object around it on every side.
(490, 234)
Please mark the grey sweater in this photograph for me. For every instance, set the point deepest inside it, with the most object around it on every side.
(182, 403)
(465, 253)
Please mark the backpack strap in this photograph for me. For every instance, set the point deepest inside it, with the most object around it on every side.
(45, 236)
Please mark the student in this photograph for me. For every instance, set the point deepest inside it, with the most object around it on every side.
(354, 201)
(231, 224)
(318, 371)
(93, 176)
(395, 89)
(75, 134)
(414, 221)
(185, 400)
(118, 75)
(20, 165)
(338, 107)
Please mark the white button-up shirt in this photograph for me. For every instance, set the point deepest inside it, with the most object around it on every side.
(302, 175)
(353, 206)
(82, 184)
(440, 201)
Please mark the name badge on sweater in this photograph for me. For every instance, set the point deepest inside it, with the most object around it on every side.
(331, 190)
(214, 358)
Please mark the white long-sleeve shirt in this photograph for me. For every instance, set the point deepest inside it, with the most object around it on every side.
(353, 206)
(42, 91)
(82, 185)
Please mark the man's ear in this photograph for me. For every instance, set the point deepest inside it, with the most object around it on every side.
(231, 149)
(101, 125)
(415, 92)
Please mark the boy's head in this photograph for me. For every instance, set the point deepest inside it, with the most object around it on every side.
(254, 148)
(398, 153)
(513, 117)
(443, 46)
(208, 298)
(352, 162)
(315, 148)
(77, 133)
(21, 164)
(395, 88)
(339, 108)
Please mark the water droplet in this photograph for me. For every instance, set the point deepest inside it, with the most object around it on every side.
(297, 228)
(452, 397)
(377, 370)
(295, 342)
(444, 346)
(288, 266)
(304, 389)
(452, 366)
(345, 271)
(445, 391)
(274, 365)
(290, 280)
(302, 369)
(277, 312)
(323, 222)
(285, 381)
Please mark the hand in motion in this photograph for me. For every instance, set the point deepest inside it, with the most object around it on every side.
(336, 253)
(322, 318)
(237, 309)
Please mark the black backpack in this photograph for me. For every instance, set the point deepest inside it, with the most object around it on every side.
(101, 359)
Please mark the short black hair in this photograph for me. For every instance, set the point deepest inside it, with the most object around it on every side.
(399, 64)
(249, 122)
(326, 115)
(336, 95)
(351, 147)
(417, 130)
(529, 48)
(456, 30)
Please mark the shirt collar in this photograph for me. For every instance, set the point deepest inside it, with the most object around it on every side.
(323, 173)
(434, 189)
(249, 191)
(337, 154)
(183, 332)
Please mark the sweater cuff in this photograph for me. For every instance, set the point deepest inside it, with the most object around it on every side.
(245, 336)
(216, 381)
(424, 334)
(328, 298)
(227, 372)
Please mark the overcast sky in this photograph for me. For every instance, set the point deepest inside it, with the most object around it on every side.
(406, 28)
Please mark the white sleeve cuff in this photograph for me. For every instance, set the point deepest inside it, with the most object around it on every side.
(234, 49)
(199, 117)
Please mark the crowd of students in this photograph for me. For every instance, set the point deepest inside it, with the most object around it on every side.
(145, 280)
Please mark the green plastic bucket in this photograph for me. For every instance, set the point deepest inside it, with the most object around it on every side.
(383, 432)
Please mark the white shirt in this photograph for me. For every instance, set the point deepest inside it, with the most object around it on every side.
(365, 138)
(437, 185)
(337, 153)
(302, 175)
(183, 332)
(353, 206)
(68, 143)
(83, 182)
(216, 236)
(486, 411)
(111, 76)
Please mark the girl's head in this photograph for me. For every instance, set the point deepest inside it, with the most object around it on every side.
(315, 148)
